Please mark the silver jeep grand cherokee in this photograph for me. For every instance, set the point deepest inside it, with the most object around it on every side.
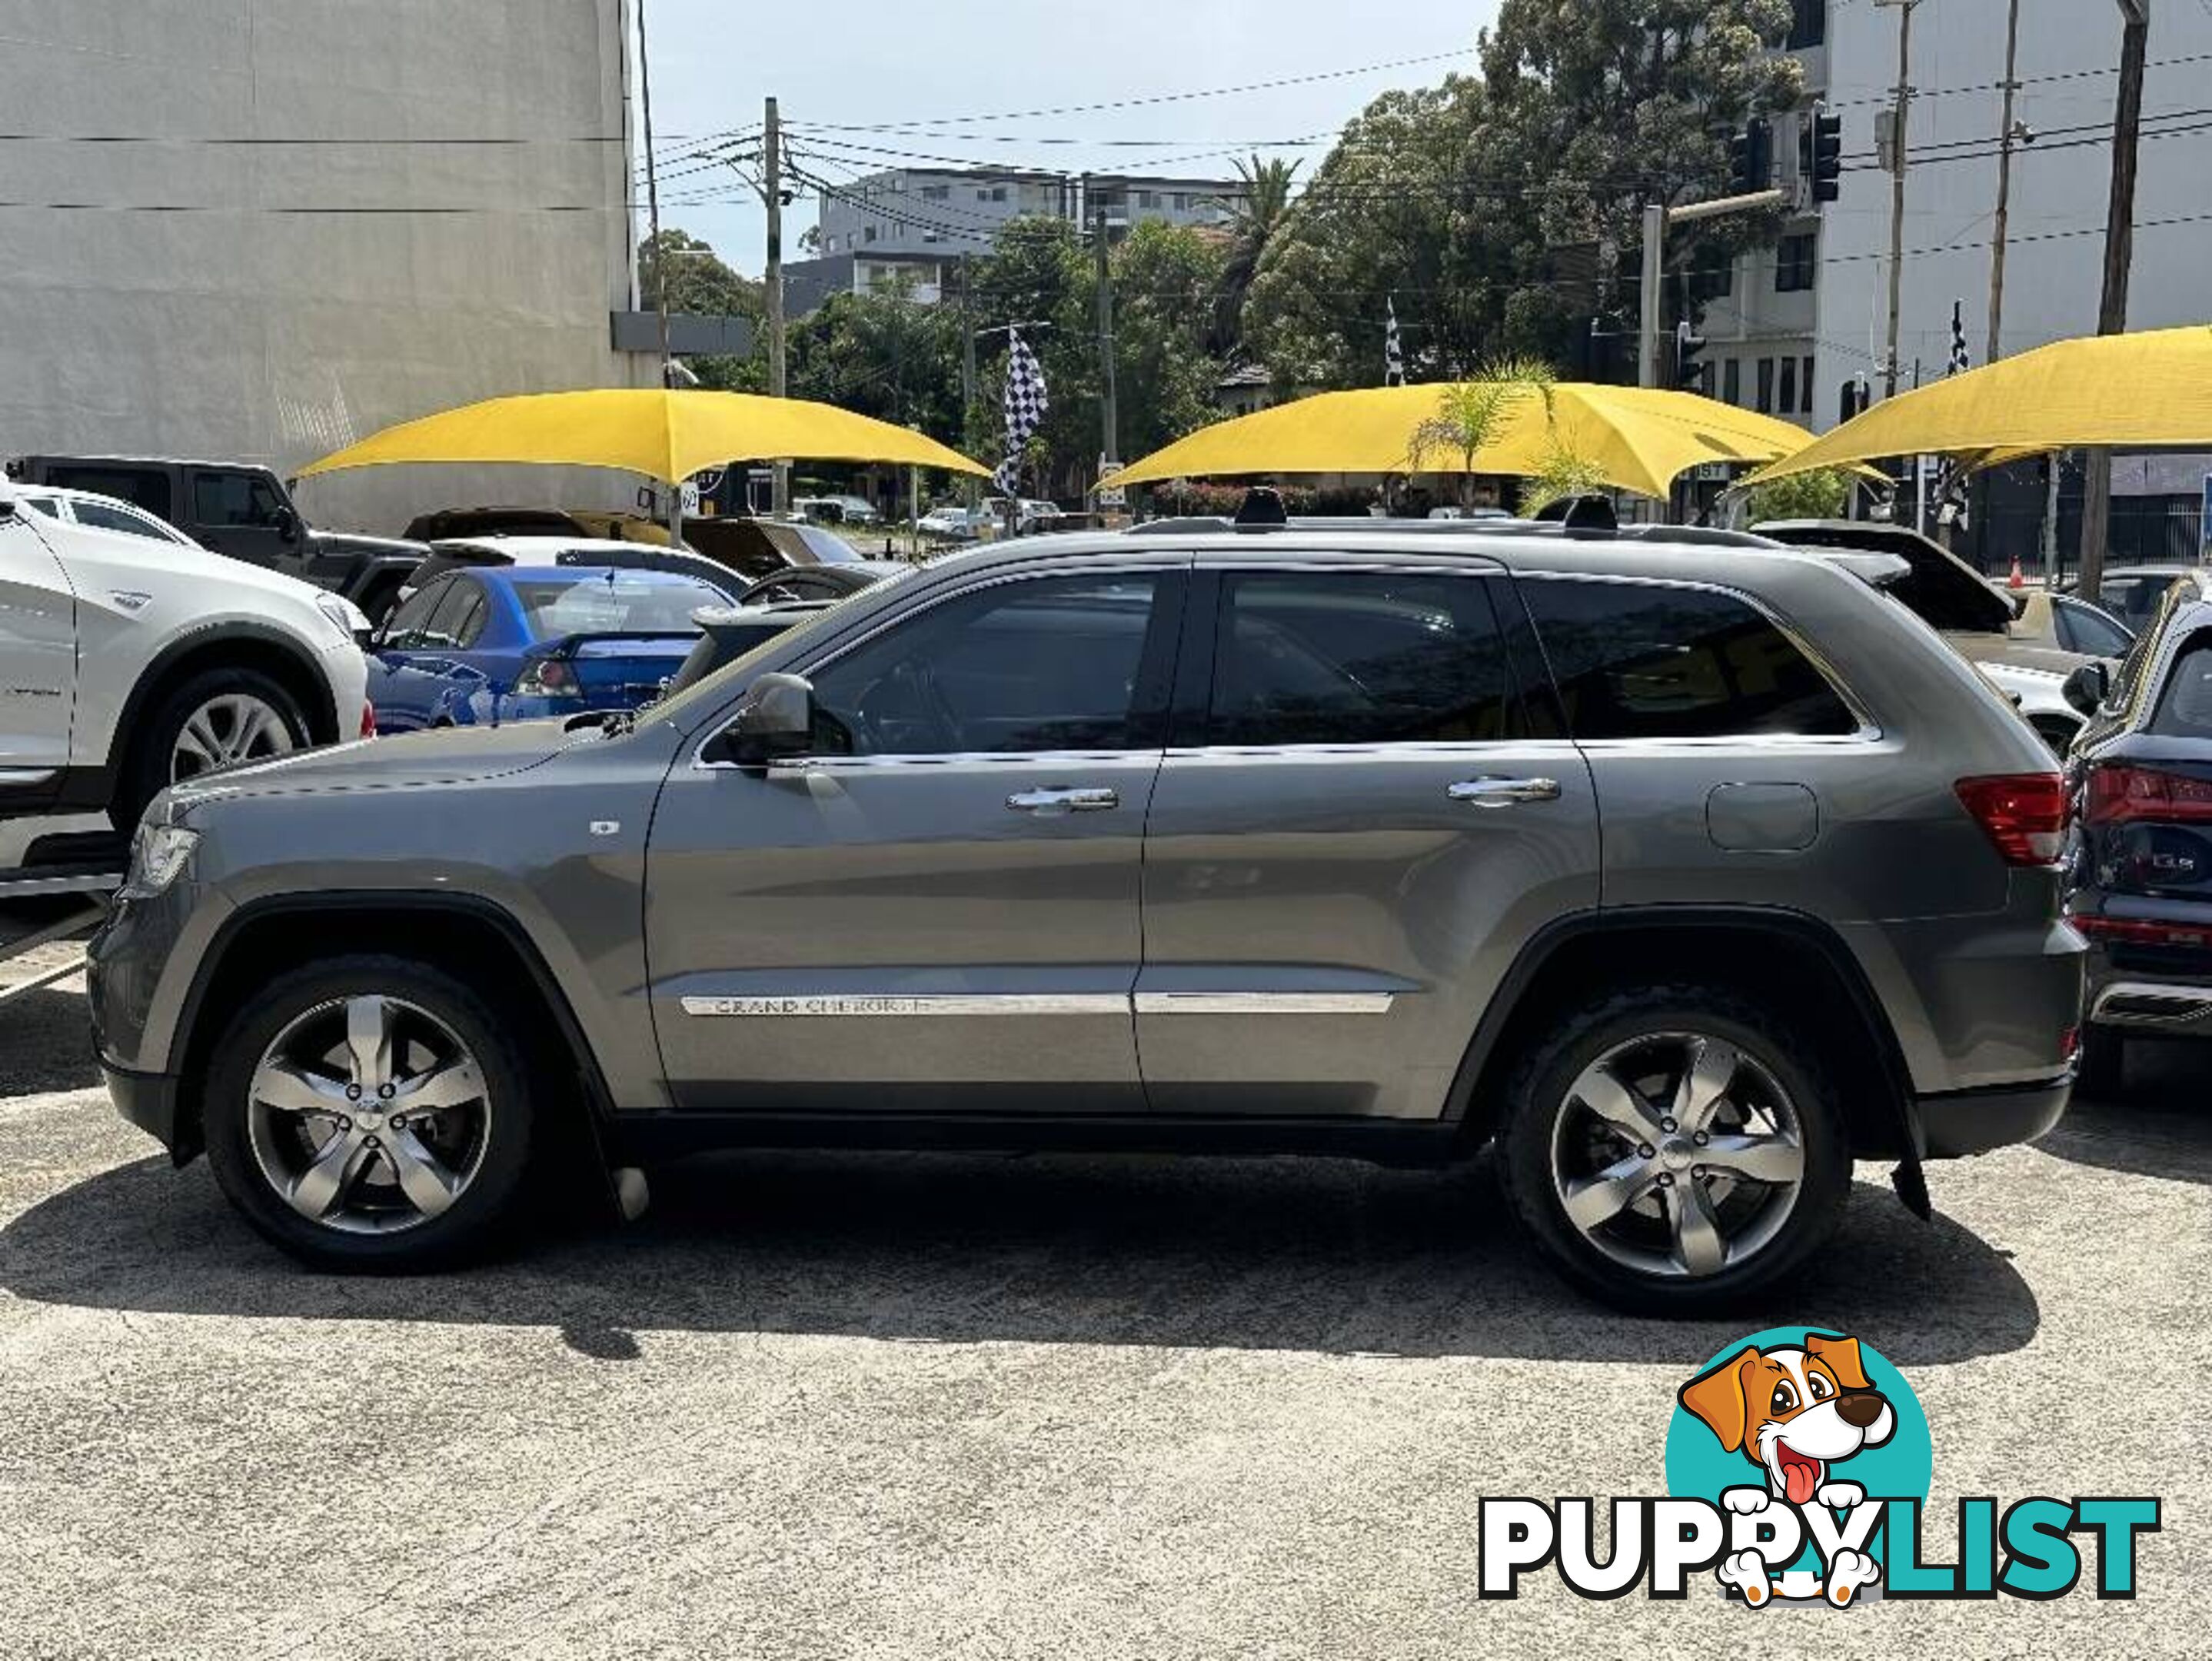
(1683, 874)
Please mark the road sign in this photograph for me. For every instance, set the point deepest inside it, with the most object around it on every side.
(1110, 494)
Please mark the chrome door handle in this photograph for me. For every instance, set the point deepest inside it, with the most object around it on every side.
(1504, 792)
(1050, 804)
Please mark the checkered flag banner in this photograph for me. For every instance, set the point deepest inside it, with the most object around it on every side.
(1026, 404)
(1961, 360)
(1393, 354)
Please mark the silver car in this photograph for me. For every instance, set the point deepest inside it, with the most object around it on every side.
(1683, 875)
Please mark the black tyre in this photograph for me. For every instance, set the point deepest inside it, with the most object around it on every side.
(215, 718)
(369, 1113)
(1673, 1149)
(2104, 1063)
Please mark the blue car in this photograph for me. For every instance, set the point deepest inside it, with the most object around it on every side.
(483, 645)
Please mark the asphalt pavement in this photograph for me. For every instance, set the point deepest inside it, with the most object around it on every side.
(936, 1405)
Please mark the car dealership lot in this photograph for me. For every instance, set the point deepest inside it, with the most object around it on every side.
(921, 1405)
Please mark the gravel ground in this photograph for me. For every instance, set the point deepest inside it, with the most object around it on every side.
(939, 1406)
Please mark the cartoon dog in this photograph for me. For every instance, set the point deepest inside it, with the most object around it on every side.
(1796, 1414)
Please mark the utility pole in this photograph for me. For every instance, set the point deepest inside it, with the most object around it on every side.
(1108, 416)
(772, 283)
(1654, 267)
(1898, 128)
(971, 491)
(2006, 127)
(2119, 256)
(653, 192)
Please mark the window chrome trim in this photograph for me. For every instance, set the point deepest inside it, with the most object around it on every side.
(1869, 730)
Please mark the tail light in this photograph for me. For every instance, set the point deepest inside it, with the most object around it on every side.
(2120, 796)
(368, 718)
(2023, 814)
(2141, 931)
(547, 678)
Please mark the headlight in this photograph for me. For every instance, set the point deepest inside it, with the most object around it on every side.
(352, 622)
(158, 853)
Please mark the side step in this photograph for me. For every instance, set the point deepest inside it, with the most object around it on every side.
(92, 888)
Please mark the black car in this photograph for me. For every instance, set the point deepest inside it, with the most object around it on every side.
(2140, 780)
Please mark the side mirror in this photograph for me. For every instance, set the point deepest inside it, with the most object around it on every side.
(2087, 688)
(775, 722)
(288, 524)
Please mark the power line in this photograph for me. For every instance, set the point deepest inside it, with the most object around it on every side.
(1160, 98)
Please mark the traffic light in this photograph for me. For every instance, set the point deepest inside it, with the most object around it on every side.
(1823, 165)
(1690, 375)
(1751, 157)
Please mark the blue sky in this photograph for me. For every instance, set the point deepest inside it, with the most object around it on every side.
(874, 62)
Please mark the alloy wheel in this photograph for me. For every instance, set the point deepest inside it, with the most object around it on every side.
(234, 727)
(1678, 1155)
(369, 1115)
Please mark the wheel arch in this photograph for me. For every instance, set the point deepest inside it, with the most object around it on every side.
(1580, 957)
(269, 936)
(252, 645)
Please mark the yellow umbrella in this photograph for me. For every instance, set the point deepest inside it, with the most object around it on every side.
(1636, 439)
(666, 436)
(2147, 390)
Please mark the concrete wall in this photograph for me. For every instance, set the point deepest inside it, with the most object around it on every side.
(288, 309)
(2053, 271)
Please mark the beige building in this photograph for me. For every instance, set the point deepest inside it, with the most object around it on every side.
(323, 217)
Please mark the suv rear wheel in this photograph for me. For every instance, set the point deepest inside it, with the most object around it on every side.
(1673, 1151)
(368, 1113)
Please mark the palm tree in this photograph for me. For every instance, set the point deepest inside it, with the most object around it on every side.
(1256, 216)
(1470, 413)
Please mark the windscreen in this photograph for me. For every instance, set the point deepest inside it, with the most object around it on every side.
(612, 603)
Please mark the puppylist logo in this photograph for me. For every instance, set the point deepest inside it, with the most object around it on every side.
(1798, 1463)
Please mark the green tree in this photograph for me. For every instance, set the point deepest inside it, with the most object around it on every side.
(1820, 494)
(1257, 217)
(1481, 208)
(884, 354)
(1598, 107)
(1165, 376)
(699, 282)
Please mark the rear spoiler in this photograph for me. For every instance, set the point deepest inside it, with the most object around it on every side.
(567, 646)
(1876, 570)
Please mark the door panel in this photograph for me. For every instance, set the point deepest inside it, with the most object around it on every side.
(1361, 914)
(1333, 894)
(940, 910)
(38, 662)
(897, 926)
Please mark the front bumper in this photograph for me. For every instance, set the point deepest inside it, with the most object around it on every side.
(1968, 1122)
(150, 1100)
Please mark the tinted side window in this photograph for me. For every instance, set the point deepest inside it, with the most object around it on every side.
(403, 629)
(2084, 629)
(1052, 663)
(147, 486)
(1358, 658)
(233, 499)
(102, 517)
(444, 628)
(1644, 660)
(2185, 708)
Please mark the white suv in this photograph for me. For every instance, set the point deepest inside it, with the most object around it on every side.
(132, 657)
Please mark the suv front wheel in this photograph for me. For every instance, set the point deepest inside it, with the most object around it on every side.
(368, 1113)
(1673, 1150)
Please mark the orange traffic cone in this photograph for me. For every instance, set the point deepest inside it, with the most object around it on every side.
(2019, 578)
